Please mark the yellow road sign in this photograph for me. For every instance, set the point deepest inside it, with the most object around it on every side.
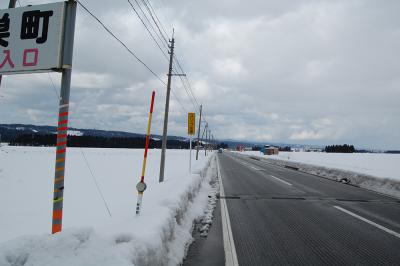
(191, 123)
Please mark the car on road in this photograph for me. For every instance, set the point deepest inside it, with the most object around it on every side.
(220, 150)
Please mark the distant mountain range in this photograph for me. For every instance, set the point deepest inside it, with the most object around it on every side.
(10, 131)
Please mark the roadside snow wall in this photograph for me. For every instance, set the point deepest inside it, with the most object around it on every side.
(382, 185)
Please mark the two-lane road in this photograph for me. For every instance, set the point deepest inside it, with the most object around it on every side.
(280, 216)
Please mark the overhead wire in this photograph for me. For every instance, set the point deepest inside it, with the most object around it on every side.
(121, 42)
(155, 22)
(144, 24)
(151, 25)
(155, 18)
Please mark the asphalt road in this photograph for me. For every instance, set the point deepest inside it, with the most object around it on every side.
(280, 216)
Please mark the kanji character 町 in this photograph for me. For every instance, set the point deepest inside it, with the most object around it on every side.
(31, 24)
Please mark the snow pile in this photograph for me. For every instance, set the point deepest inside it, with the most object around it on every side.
(377, 172)
(374, 164)
(74, 133)
(159, 236)
(204, 224)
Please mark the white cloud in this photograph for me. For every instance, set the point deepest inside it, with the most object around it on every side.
(296, 71)
(307, 135)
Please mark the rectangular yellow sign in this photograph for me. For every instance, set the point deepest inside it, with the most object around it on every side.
(191, 123)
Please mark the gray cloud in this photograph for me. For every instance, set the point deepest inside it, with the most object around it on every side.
(316, 72)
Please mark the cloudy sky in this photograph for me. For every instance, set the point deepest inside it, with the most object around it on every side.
(316, 72)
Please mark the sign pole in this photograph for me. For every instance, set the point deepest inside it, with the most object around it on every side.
(190, 156)
(191, 132)
(62, 129)
(141, 186)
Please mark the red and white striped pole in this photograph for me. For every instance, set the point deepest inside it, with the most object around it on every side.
(141, 186)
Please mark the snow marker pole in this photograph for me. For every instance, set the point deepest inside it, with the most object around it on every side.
(141, 186)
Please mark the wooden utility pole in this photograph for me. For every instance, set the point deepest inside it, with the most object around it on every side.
(165, 129)
(198, 135)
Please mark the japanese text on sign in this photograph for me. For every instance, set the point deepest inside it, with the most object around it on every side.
(191, 123)
(31, 38)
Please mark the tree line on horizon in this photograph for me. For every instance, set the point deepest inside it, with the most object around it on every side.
(50, 140)
(340, 148)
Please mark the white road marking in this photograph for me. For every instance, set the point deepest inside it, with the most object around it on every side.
(255, 168)
(387, 230)
(283, 181)
(229, 244)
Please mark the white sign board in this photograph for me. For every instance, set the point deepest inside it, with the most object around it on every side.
(31, 38)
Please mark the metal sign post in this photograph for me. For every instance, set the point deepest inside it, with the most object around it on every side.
(62, 129)
(191, 132)
(141, 186)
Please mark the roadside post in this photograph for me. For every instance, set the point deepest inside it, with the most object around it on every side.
(141, 186)
(37, 39)
(191, 132)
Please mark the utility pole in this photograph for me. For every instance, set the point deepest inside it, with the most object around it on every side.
(209, 140)
(165, 129)
(11, 4)
(198, 134)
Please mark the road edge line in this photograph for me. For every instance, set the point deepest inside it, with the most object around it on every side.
(387, 230)
(229, 244)
(281, 180)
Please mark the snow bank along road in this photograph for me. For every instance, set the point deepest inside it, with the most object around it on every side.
(280, 216)
(91, 235)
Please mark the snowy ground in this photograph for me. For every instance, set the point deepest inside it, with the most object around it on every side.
(379, 172)
(376, 164)
(90, 236)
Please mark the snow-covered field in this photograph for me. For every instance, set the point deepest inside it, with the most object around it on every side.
(159, 236)
(375, 164)
(379, 172)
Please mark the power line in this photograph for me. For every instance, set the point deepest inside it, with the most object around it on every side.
(154, 39)
(187, 87)
(95, 181)
(155, 14)
(121, 42)
(151, 25)
(155, 22)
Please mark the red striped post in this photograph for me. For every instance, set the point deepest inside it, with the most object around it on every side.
(58, 195)
(141, 186)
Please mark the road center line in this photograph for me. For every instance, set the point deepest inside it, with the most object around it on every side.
(387, 230)
(283, 181)
(229, 244)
